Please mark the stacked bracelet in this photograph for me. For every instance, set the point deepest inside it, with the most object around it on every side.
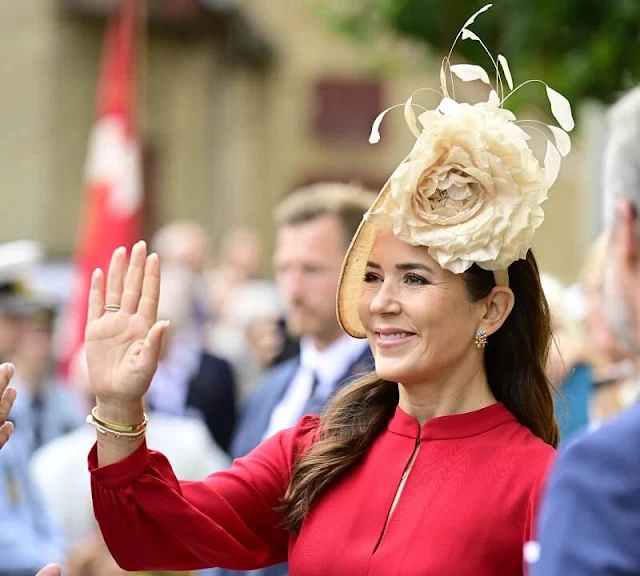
(118, 430)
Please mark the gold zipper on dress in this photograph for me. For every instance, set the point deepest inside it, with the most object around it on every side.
(399, 490)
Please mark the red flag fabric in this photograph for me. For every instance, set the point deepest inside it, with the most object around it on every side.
(113, 185)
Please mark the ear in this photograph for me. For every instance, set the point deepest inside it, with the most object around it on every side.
(498, 306)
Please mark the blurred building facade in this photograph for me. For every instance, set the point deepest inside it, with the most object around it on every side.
(244, 100)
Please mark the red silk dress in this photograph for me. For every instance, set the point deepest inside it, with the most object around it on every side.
(467, 506)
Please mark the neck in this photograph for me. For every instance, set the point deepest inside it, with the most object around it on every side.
(463, 389)
(320, 342)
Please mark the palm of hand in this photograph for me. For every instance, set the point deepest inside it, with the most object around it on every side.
(123, 346)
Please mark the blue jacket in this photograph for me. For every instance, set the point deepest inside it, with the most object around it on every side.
(212, 393)
(589, 522)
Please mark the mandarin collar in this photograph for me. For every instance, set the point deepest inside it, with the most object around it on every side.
(449, 427)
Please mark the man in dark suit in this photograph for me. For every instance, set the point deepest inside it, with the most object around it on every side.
(589, 522)
(315, 226)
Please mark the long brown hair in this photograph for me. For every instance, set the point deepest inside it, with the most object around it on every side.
(514, 360)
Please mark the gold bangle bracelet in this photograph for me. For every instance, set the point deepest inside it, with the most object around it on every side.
(114, 427)
(131, 435)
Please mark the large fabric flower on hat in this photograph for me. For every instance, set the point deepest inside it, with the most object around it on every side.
(471, 188)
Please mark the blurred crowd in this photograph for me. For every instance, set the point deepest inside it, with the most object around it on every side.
(246, 356)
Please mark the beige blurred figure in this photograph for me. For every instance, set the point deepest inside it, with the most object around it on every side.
(240, 260)
(616, 386)
(584, 339)
(242, 251)
(569, 346)
(183, 243)
(569, 363)
(247, 309)
(248, 333)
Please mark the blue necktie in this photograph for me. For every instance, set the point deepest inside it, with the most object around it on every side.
(315, 403)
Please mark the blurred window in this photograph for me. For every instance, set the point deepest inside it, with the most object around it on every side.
(345, 108)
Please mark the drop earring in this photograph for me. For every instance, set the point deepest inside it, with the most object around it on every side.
(481, 338)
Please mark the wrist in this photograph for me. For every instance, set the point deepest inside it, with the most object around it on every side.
(124, 412)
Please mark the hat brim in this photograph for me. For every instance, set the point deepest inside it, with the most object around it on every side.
(354, 267)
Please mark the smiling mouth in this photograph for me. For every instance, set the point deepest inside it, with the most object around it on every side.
(394, 336)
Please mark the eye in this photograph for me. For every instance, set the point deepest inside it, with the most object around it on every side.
(370, 277)
(415, 279)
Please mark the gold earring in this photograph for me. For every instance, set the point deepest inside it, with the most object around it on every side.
(481, 338)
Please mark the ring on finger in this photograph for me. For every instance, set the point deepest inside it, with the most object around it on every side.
(112, 307)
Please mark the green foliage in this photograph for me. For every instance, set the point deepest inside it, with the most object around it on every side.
(582, 48)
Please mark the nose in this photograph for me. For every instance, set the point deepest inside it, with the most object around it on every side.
(385, 300)
(290, 283)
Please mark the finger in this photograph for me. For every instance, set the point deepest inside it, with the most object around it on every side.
(148, 306)
(134, 278)
(96, 295)
(153, 344)
(115, 276)
(6, 373)
(5, 433)
(50, 570)
(6, 402)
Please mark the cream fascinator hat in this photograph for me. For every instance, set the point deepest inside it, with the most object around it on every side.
(470, 190)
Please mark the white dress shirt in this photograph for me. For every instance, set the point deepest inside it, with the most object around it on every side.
(328, 365)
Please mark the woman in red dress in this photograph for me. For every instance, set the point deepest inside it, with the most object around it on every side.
(431, 465)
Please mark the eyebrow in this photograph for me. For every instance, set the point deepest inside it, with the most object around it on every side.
(403, 266)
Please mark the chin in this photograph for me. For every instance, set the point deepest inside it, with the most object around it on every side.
(395, 372)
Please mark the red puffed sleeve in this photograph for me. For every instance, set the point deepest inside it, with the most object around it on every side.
(150, 520)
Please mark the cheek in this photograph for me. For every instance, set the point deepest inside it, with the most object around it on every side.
(444, 330)
(363, 307)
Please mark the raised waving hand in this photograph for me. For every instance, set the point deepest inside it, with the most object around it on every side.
(123, 337)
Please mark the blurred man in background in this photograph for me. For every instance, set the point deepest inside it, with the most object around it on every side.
(16, 261)
(185, 244)
(590, 519)
(45, 408)
(28, 536)
(188, 378)
(315, 226)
